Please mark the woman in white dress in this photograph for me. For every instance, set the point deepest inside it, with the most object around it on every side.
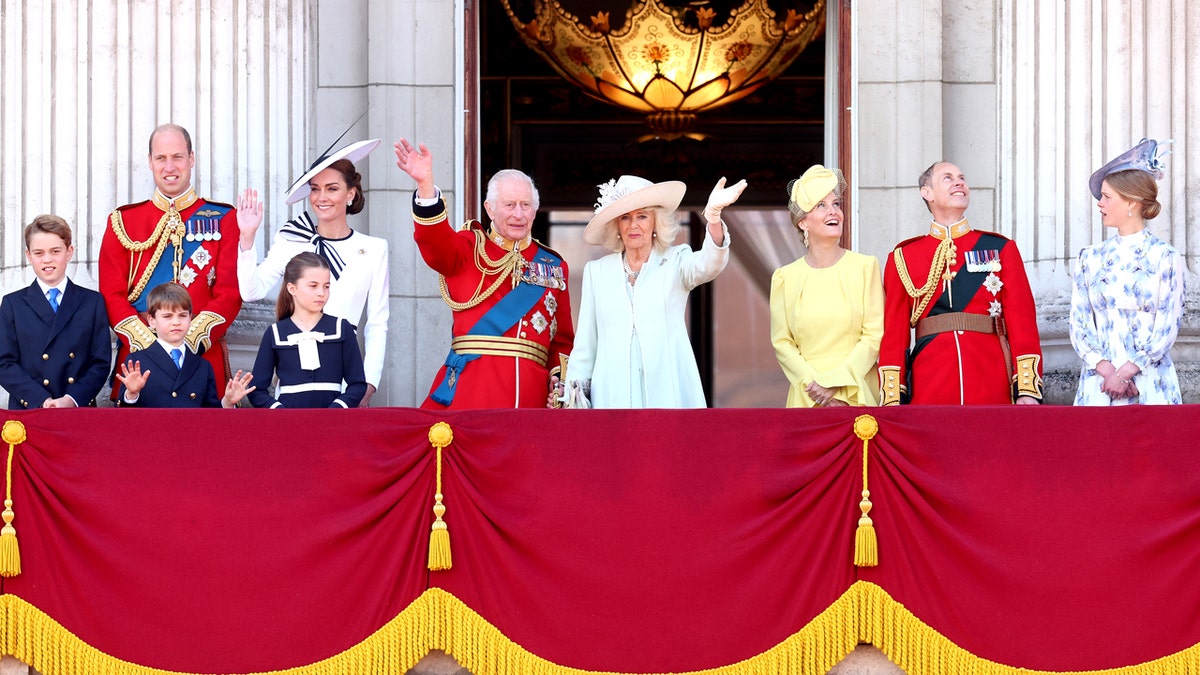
(1127, 301)
(631, 345)
(358, 263)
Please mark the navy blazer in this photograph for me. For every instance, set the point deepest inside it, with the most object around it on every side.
(193, 386)
(47, 354)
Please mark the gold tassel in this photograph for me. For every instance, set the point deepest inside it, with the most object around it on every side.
(440, 436)
(866, 547)
(10, 552)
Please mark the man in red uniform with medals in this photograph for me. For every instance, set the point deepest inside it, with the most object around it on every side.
(512, 314)
(175, 236)
(959, 322)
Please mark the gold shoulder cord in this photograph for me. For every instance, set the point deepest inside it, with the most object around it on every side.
(943, 258)
(509, 266)
(169, 228)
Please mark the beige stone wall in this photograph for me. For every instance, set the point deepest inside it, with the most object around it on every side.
(401, 63)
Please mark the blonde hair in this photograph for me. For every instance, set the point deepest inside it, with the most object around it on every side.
(1138, 187)
(666, 228)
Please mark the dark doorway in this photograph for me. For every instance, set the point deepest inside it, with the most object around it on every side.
(531, 119)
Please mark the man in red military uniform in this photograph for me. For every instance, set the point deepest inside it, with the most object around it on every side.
(963, 296)
(512, 314)
(174, 236)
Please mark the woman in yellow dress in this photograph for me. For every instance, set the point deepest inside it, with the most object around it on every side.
(827, 307)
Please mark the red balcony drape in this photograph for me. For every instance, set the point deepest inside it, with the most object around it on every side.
(1054, 539)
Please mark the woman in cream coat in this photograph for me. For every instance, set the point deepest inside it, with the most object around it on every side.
(827, 307)
(631, 345)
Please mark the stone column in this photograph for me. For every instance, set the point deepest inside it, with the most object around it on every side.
(898, 116)
(84, 84)
(1079, 83)
(401, 63)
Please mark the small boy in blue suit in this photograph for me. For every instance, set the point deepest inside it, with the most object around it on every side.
(183, 379)
(55, 346)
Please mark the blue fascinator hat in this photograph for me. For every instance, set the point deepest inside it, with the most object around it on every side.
(1146, 156)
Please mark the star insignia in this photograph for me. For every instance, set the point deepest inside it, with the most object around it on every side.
(993, 283)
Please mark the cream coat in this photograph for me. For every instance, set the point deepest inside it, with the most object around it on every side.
(604, 333)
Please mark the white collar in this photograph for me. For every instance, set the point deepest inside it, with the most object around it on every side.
(61, 286)
(168, 346)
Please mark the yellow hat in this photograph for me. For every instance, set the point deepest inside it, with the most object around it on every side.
(812, 187)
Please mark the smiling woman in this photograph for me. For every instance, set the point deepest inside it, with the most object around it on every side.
(632, 348)
(358, 263)
(827, 307)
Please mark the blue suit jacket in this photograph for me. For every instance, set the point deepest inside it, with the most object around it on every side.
(44, 354)
(193, 386)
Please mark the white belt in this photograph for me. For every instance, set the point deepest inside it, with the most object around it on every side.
(311, 386)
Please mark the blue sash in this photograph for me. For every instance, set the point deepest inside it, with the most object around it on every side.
(204, 222)
(503, 315)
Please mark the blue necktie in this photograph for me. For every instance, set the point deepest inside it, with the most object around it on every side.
(53, 293)
(177, 357)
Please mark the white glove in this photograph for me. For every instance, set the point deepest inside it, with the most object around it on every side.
(721, 197)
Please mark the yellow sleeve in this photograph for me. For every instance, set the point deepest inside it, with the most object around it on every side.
(787, 350)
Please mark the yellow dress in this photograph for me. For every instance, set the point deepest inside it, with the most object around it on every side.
(826, 325)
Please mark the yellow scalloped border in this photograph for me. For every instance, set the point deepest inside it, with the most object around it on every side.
(865, 613)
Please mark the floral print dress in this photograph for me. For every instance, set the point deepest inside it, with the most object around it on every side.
(1127, 305)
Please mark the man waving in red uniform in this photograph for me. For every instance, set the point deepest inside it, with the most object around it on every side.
(966, 295)
(508, 292)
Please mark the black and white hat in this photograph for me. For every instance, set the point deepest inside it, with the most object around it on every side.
(353, 152)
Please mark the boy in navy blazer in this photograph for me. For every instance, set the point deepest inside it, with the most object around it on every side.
(167, 374)
(55, 347)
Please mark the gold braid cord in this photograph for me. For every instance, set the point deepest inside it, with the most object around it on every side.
(866, 546)
(170, 229)
(943, 259)
(10, 551)
(440, 436)
(509, 266)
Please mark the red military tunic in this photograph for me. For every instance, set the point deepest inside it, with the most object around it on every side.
(207, 267)
(967, 365)
(498, 378)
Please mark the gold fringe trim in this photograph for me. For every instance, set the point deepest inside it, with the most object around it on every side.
(918, 649)
(865, 613)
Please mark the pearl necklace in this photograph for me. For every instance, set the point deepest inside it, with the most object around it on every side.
(629, 273)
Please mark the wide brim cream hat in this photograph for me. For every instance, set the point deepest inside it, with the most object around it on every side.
(630, 193)
(353, 152)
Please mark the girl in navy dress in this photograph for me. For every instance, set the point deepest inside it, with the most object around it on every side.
(310, 352)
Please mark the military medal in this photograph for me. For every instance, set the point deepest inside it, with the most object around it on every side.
(216, 230)
(191, 235)
(987, 260)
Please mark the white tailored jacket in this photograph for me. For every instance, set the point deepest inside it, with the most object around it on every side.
(604, 334)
